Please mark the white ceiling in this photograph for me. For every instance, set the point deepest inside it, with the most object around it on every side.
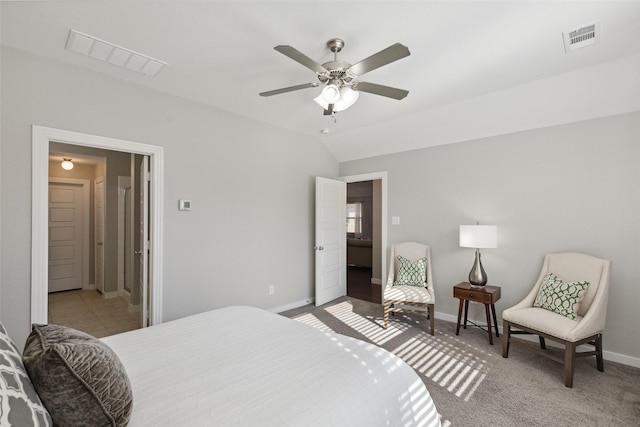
(466, 57)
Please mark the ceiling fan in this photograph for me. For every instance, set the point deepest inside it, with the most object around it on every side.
(341, 79)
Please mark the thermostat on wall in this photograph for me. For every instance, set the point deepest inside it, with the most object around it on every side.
(184, 205)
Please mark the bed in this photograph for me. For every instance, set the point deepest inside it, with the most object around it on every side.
(242, 366)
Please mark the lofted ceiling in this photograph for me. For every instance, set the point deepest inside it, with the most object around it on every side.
(466, 57)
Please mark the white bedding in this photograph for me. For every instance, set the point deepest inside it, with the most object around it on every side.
(243, 366)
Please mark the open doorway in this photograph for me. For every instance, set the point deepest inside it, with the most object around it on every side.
(366, 236)
(363, 230)
(42, 137)
(91, 275)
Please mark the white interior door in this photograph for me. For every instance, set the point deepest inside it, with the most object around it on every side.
(331, 242)
(99, 204)
(65, 236)
(143, 250)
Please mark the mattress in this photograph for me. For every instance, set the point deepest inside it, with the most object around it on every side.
(243, 366)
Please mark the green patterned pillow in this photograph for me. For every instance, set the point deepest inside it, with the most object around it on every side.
(411, 273)
(560, 297)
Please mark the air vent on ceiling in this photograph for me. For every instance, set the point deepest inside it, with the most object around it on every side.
(116, 55)
(586, 35)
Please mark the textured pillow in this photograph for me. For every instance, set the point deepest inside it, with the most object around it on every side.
(79, 378)
(411, 273)
(19, 402)
(559, 297)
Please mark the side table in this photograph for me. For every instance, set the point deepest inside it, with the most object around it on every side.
(488, 295)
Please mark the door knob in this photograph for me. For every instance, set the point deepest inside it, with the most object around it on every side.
(137, 252)
(99, 243)
(318, 248)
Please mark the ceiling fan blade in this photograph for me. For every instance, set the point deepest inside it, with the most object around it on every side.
(301, 58)
(289, 89)
(377, 60)
(389, 92)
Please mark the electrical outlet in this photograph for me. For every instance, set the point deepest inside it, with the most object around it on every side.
(272, 289)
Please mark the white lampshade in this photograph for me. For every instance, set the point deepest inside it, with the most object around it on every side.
(478, 236)
(67, 164)
(331, 94)
(348, 97)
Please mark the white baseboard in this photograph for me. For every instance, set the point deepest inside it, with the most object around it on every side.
(134, 308)
(621, 358)
(109, 295)
(375, 281)
(125, 294)
(607, 355)
(88, 287)
(292, 305)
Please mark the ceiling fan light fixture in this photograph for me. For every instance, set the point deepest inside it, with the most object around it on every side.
(331, 93)
(67, 164)
(347, 97)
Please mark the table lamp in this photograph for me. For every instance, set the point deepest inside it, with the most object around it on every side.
(478, 237)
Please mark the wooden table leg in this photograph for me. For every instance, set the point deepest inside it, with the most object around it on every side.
(459, 316)
(486, 309)
(466, 310)
(495, 321)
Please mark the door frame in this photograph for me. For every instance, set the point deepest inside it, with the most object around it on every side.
(41, 136)
(86, 207)
(382, 176)
(98, 239)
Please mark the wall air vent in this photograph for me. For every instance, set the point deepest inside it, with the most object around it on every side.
(116, 55)
(586, 35)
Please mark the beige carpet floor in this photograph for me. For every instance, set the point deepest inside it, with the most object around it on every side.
(473, 385)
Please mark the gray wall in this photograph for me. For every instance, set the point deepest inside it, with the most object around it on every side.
(564, 188)
(251, 186)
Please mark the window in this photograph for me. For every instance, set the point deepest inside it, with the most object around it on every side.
(354, 218)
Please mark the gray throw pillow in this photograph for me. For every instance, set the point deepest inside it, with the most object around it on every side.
(79, 378)
(19, 402)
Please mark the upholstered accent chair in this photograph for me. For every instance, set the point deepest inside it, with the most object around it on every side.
(415, 297)
(586, 327)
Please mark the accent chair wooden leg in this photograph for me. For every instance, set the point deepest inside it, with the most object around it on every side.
(569, 358)
(506, 334)
(432, 318)
(543, 344)
(599, 359)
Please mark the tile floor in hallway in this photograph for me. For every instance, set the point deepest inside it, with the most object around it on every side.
(87, 311)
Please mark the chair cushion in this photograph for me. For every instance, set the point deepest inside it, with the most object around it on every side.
(408, 293)
(78, 377)
(544, 321)
(19, 402)
(410, 272)
(560, 297)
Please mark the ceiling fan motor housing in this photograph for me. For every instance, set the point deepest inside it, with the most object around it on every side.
(335, 45)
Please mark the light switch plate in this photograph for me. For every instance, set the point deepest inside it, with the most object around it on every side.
(184, 205)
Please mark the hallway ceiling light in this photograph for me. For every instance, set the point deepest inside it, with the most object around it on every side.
(67, 164)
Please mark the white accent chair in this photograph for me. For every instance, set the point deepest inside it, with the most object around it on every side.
(589, 323)
(407, 298)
